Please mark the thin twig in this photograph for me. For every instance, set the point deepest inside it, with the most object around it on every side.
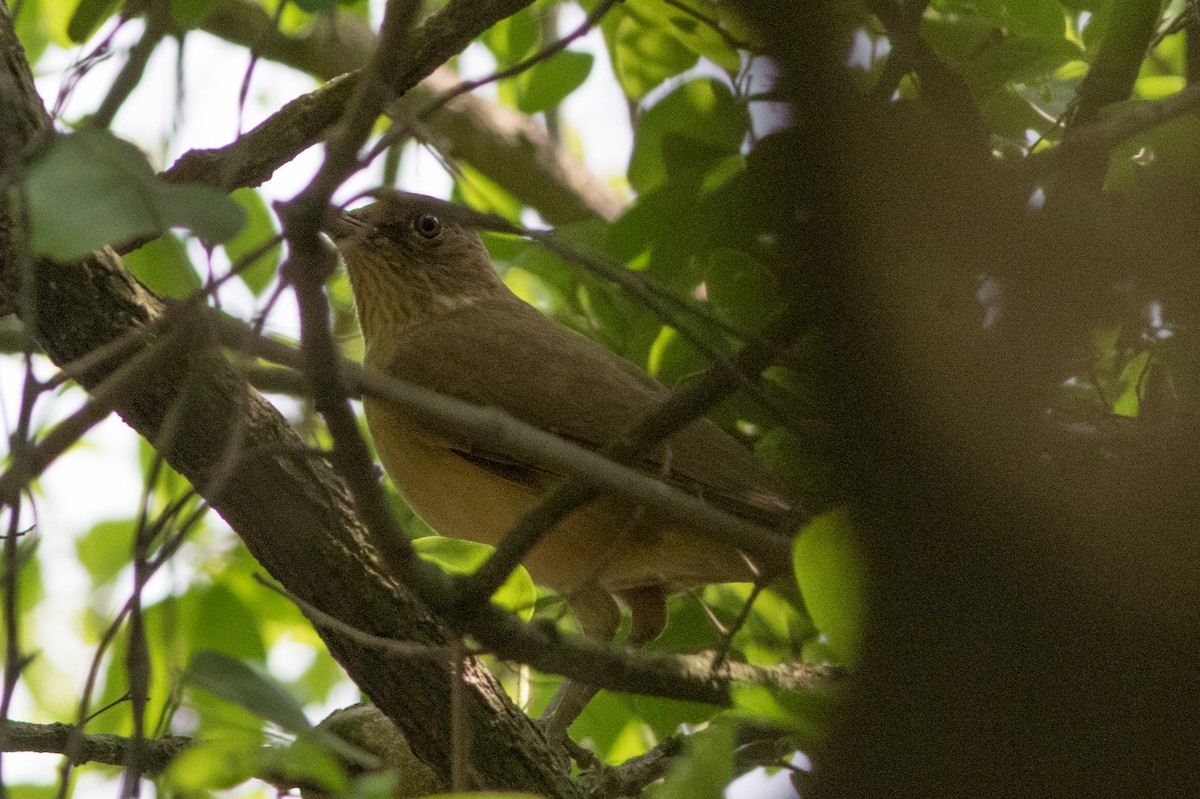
(506, 146)
(309, 264)
(460, 726)
(106, 396)
(402, 648)
(542, 55)
(76, 739)
(135, 66)
(14, 661)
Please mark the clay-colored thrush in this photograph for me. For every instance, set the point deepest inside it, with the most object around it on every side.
(434, 312)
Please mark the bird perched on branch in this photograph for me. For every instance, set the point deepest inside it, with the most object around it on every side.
(434, 312)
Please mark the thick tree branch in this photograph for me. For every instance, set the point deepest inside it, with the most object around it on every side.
(1109, 80)
(1116, 66)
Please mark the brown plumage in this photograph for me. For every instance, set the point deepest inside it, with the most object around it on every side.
(434, 312)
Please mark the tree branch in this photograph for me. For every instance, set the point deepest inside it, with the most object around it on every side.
(252, 159)
(1116, 66)
(1103, 136)
(131, 73)
(506, 146)
(1109, 80)
(154, 755)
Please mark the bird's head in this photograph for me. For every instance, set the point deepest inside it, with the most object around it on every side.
(410, 258)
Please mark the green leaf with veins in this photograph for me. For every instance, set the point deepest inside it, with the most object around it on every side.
(90, 189)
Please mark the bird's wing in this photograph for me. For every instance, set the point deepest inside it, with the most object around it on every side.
(577, 389)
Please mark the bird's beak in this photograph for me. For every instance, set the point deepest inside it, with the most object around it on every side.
(342, 225)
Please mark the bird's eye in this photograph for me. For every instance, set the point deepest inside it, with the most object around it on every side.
(427, 225)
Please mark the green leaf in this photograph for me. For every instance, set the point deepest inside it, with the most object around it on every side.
(802, 465)
(1009, 114)
(739, 288)
(32, 791)
(830, 572)
(1152, 166)
(1024, 16)
(259, 229)
(237, 682)
(513, 38)
(704, 769)
(31, 28)
(91, 188)
(673, 358)
(384, 785)
(163, 266)
(547, 83)
(477, 190)
(88, 16)
(808, 712)
(690, 626)
(306, 762)
(247, 687)
(699, 36)
(1017, 59)
(530, 289)
(106, 549)
(219, 621)
(611, 727)
(989, 59)
(1155, 87)
(642, 51)
(211, 764)
(696, 126)
(1132, 378)
(518, 593)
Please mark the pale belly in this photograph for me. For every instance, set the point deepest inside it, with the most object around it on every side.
(606, 543)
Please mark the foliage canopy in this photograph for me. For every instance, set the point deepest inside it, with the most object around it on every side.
(958, 239)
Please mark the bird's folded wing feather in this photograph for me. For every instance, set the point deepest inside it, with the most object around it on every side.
(575, 388)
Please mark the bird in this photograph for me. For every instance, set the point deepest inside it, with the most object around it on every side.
(434, 312)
